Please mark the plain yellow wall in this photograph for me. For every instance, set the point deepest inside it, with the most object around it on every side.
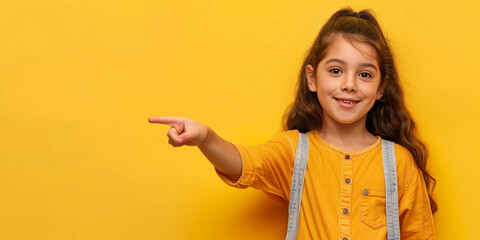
(78, 80)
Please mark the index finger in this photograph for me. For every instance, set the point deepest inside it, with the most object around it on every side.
(165, 120)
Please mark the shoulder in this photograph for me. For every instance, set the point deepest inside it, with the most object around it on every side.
(404, 157)
(406, 167)
(287, 141)
(289, 134)
(290, 137)
(401, 151)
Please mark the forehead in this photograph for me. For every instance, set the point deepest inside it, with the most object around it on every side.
(351, 51)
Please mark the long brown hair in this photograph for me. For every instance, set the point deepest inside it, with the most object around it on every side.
(389, 118)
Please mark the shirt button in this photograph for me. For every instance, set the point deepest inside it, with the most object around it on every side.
(347, 156)
(347, 180)
(345, 211)
(365, 191)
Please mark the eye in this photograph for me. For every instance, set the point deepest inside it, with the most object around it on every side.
(335, 70)
(365, 75)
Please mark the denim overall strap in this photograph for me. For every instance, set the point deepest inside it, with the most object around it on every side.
(391, 190)
(298, 178)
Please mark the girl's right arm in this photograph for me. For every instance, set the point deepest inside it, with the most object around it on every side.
(221, 153)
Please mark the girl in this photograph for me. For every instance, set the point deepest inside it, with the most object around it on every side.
(348, 97)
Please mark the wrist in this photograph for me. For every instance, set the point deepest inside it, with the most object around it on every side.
(209, 134)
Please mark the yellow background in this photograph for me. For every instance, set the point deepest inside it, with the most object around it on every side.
(78, 80)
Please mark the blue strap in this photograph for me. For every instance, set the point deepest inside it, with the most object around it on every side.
(391, 190)
(297, 186)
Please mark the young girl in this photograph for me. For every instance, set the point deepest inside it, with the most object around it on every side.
(348, 97)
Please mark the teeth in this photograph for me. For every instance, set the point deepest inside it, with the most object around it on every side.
(345, 101)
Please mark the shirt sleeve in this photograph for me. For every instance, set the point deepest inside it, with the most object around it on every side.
(267, 167)
(416, 220)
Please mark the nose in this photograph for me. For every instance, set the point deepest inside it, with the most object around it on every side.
(349, 83)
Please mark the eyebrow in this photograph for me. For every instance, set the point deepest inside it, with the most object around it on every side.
(344, 63)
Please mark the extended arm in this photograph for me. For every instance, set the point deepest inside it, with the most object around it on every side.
(221, 153)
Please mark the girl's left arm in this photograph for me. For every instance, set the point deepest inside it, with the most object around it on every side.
(416, 219)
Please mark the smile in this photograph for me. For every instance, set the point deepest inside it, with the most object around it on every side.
(347, 101)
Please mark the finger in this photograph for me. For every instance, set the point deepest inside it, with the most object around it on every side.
(176, 122)
(188, 137)
(166, 120)
(174, 139)
(173, 144)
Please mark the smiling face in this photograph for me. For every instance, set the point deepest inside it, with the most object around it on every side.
(346, 81)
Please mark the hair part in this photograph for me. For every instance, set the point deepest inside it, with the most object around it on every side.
(389, 117)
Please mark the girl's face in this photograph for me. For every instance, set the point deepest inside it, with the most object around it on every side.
(347, 81)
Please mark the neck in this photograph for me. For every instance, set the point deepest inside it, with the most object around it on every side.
(349, 137)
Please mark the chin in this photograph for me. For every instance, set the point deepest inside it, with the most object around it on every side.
(347, 120)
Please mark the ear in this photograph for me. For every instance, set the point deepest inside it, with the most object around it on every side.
(312, 83)
(381, 88)
(379, 93)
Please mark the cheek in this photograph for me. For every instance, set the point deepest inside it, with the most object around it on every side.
(373, 92)
(370, 89)
(326, 85)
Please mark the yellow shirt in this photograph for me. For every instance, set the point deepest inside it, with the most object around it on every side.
(333, 203)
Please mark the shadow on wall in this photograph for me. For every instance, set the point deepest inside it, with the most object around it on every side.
(253, 216)
(262, 214)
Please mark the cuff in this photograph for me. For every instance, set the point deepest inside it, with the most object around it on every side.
(248, 170)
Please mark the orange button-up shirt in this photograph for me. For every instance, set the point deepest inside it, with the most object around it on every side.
(344, 192)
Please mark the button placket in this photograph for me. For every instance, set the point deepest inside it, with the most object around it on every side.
(346, 200)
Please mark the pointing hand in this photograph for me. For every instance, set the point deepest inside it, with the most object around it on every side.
(183, 131)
